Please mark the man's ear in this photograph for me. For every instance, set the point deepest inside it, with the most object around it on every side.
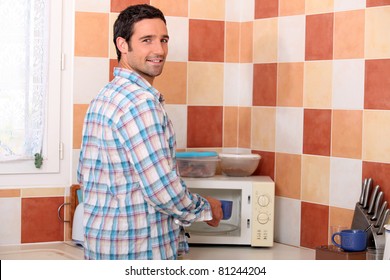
(122, 45)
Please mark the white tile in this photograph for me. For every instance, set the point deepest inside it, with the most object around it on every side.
(10, 220)
(178, 116)
(247, 10)
(291, 40)
(348, 84)
(232, 84)
(178, 38)
(287, 221)
(346, 5)
(233, 10)
(289, 130)
(345, 182)
(90, 76)
(101, 6)
(246, 84)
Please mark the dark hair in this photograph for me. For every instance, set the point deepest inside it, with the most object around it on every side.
(124, 24)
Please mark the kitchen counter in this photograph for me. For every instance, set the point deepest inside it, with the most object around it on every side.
(69, 251)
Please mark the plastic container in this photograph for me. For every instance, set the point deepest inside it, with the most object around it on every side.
(197, 164)
(239, 165)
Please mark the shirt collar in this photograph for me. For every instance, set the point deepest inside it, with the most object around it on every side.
(139, 80)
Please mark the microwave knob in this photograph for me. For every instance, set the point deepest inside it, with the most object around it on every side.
(263, 200)
(263, 218)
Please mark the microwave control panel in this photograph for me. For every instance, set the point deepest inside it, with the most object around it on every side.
(263, 203)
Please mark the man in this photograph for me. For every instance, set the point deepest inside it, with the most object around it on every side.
(134, 200)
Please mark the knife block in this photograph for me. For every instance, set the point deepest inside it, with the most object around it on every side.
(332, 253)
(361, 220)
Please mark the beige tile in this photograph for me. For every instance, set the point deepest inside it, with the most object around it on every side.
(263, 129)
(205, 9)
(376, 135)
(111, 45)
(377, 32)
(265, 40)
(315, 179)
(319, 6)
(79, 111)
(205, 83)
(176, 8)
(42, 192)
(291, 7)
(318, 84)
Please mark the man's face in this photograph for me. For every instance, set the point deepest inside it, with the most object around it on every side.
(148, 48)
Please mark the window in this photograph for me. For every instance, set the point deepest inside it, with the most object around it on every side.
(30, 85)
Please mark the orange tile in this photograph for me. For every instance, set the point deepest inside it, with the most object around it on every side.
(230, 127)
(244, 127)
(319, 37)
(315, 179)
(113, 64)
(317, 132)
(314, 225)
(290, 84)
(380, 172)
(288, 175)
(246, 42)
(377, 84)
(265, 40)
(10, 193)
(340, 217)
(201, 31)
(206, 83)
(318, 84)
(175, 8)
(264, 84)
(42, 192)
(172, 83)
(349, 34)
(91, 34)
(232, 41)
(266, 165)
(215, 9)
(39, 220)
(347, 138)
(79, 111)
(204, 126)
(119, 5)
(374, 3)
(111, 46)
(291, 7)
(266, 8)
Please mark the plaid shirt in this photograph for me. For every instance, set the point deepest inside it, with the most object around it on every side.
(127, 167)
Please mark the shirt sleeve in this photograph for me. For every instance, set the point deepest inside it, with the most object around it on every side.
(145, 137)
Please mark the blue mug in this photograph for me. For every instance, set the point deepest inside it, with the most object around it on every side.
(351, 240)
(227, 206)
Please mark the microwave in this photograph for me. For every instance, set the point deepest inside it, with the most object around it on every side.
(252, 219)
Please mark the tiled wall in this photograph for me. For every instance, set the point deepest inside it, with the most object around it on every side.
(303, 83)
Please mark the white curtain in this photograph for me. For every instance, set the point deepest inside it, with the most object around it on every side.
(24, 30)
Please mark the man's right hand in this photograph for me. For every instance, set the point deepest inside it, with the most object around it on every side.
(216, 211)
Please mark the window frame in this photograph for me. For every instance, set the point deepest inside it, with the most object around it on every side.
(55, 169)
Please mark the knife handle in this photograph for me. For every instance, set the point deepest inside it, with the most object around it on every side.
(367, 192)
(380, 215)
(364, 184)
(378, 202)
(372, 200)
(381, 227)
